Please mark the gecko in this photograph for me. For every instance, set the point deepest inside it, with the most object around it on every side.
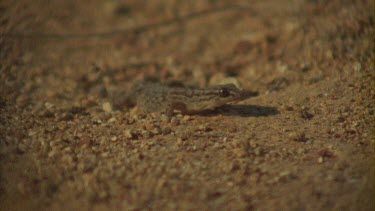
(157, 97)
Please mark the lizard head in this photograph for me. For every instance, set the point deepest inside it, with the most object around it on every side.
(230, 93)
(216, 96)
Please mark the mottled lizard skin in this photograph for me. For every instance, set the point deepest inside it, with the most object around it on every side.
(165, 98)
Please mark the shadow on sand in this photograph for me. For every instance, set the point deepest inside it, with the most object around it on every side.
(243, 111)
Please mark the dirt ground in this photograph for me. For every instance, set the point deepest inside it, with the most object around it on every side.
(305, 143)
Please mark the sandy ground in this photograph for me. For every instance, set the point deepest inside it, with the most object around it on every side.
(305, 143)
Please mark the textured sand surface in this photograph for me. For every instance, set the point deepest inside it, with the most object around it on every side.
(305, 143)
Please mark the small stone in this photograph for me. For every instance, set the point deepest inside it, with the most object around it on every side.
(128, 134)
(135, 117)
(61, 125)
(111, 120)
(298, 137)
(252, 144)
(179, 140)
(186, 118)
(216, 78)
(301, 151)
(97, 121)
(107, 107)
(164, 118)
(22, 148)
(329, 54)
(305, 114)
(216, 145)
(166, 131)
(156, 131)
(155, 115)
(257, 151)
(236, 143)
(204, 128)
(285, 173)
(147, 134)
(32, 132)
(240, 152)
(320, 160)
(175, 121)
(49, 106)
(289, 108)
(52, 153)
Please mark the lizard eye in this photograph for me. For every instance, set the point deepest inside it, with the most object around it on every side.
(224, 92)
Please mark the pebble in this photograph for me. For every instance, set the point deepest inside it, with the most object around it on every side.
(298, 137)
(128, 134)
(111, 120)
(49, 106)
(186, 118)
(107, 107)
(204, 128)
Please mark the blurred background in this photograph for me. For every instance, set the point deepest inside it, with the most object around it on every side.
(62, 62)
